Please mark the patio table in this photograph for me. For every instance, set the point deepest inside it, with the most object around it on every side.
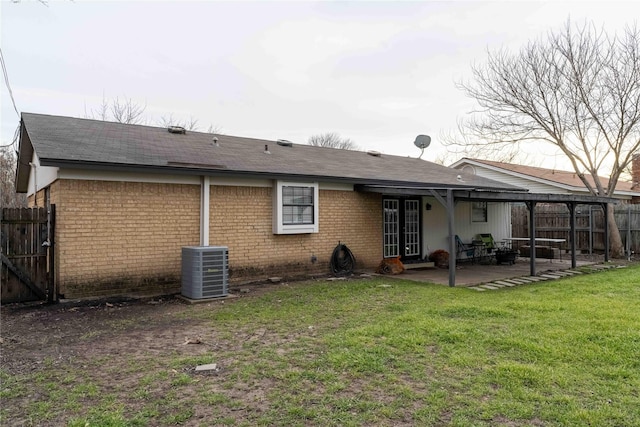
(538, 239)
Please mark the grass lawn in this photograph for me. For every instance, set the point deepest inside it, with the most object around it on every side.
(366, 352)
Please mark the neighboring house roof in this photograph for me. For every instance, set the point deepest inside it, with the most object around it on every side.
(82, 143)
(564, 181)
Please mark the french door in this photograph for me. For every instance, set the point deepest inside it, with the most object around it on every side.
(401, 234)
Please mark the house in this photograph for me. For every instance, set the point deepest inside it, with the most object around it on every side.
(128, 197)
(541, 180)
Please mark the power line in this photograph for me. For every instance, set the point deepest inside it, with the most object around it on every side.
(15, 138)
(6, 80)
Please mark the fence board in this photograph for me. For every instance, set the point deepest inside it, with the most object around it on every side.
(553, 221)
(24, 274)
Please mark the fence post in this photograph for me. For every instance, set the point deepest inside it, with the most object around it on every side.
(572, 225)
(590, 229)
(532, 237)
(628, 245)
(605, 209)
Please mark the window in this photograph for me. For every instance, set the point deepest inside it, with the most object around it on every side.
(295, 208)
(479, 212)
(297, 205)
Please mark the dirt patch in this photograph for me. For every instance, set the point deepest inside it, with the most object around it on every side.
(32, 334)
(115, 343)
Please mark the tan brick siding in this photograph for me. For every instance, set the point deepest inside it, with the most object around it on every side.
(37, 201)
(118, 237)
(113, 237)
(241, 218)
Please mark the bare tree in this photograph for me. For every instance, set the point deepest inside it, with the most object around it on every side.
(8, 196)
(190, 124)
(578, 90)
(460, 147)
(128, 111)
(125, 111)
(214, 129)
(332, 140)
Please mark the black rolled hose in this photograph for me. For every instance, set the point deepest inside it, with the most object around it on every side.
(342, 260)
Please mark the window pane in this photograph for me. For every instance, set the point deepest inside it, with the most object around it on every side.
(297, 205)
(297, 215)
(391, 244)
(297, 195)
(479, 212)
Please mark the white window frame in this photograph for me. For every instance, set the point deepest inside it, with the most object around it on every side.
(278, 226)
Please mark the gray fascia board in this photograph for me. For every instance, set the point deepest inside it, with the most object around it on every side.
(533, 197)
(473, 194)
(362, 183)
(420, 189)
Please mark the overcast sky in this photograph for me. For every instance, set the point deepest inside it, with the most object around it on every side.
(379, 73)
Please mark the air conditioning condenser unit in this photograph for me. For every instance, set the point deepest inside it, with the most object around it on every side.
(205, 271)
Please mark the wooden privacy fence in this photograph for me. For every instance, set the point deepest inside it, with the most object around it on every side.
(553, 221)
(26, 235)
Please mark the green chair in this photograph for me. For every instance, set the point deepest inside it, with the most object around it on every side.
(488, 242)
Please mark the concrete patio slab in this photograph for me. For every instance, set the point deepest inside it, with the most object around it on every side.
(476, 274)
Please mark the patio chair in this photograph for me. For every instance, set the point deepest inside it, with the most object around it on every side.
(488, 242)
(465, 248)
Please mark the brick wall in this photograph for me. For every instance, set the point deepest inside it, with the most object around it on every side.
(115, 237)
(119, 237)
(37, 201)
(241, 218)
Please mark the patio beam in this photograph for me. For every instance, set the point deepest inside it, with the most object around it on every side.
(452, 241)
(532, 237)
(473, 194)
(572, 235)
(605, 207)
(449, 206)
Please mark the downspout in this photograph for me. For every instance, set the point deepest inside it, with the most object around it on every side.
(34, 167)
(204, 210)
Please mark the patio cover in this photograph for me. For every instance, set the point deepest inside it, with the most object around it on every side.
(449, 196)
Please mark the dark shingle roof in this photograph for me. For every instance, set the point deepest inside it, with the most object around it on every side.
(66, 141)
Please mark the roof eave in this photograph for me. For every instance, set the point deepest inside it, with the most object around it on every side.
(185, 170)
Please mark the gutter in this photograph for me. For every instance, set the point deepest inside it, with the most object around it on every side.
(221, 172)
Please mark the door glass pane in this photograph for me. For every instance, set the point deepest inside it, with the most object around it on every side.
(391, 228)
(411, 227)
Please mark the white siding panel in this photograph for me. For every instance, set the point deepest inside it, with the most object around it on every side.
(435, 225)
(40, 176)
(531, 185)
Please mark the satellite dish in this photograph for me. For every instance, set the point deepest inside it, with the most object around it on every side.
(422, 141)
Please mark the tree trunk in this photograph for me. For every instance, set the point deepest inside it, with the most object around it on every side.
(615, 241)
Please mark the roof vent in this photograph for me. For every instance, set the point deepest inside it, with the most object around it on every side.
(285, 143)
(374, 153)
(266, 150)
(177, 129)
(215, 141)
